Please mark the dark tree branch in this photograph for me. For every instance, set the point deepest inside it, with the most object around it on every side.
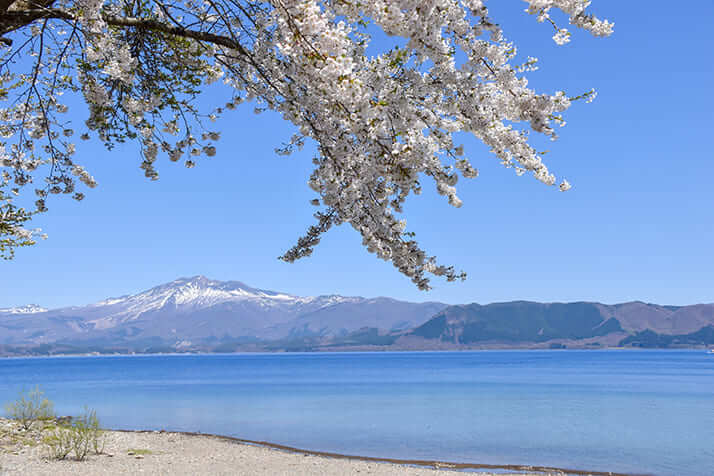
(6, 4)
(14, 20)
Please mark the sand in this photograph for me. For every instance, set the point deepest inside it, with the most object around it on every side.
(166, 453)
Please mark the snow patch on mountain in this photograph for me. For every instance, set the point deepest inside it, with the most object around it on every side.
(29, 309)
(187, 294)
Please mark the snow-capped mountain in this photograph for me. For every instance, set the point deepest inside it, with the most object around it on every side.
(190, 295)
(29, 309)
(198, 309)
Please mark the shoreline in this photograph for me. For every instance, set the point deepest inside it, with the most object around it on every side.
(391, 351)
(432, 464)
(192, 453)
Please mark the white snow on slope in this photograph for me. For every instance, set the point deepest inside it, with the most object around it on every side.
(29, 309)
(200, 292)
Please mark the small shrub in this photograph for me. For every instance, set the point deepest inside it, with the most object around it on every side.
(97, 436)
(30, 407)
(59, 443)
(82, 436)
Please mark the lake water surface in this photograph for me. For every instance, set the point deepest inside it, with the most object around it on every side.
(627, 411)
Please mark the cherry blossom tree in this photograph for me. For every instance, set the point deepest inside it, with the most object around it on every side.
(381, 123)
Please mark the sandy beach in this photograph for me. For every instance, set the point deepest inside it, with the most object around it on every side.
(167, 453)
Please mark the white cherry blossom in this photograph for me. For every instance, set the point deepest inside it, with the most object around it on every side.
(381, 123)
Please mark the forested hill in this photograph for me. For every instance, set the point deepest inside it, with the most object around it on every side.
(518, 322)
(569, 324)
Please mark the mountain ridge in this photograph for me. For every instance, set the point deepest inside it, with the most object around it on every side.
(200, 314)
(194, 310)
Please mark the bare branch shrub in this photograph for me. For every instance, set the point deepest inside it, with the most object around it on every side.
(82, 436)
(30, 407)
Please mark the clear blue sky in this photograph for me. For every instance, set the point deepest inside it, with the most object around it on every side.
(638, 224)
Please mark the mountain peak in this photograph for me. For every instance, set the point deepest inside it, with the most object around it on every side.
(202, 282)
(198, 279)
(199, 291)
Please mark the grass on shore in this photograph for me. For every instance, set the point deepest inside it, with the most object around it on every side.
(138, 451)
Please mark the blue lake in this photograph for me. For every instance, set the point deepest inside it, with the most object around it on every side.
(627, 411)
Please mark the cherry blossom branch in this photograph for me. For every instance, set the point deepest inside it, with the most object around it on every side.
(380, 122)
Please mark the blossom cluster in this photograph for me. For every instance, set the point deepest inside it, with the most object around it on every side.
(576, 10)
(381, 123)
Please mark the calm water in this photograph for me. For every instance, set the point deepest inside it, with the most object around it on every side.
(629, 411)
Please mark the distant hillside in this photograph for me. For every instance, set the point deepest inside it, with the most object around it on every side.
(517, 322)
(653, 340)
(583, 323)
(199, 314)
(639, 316)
